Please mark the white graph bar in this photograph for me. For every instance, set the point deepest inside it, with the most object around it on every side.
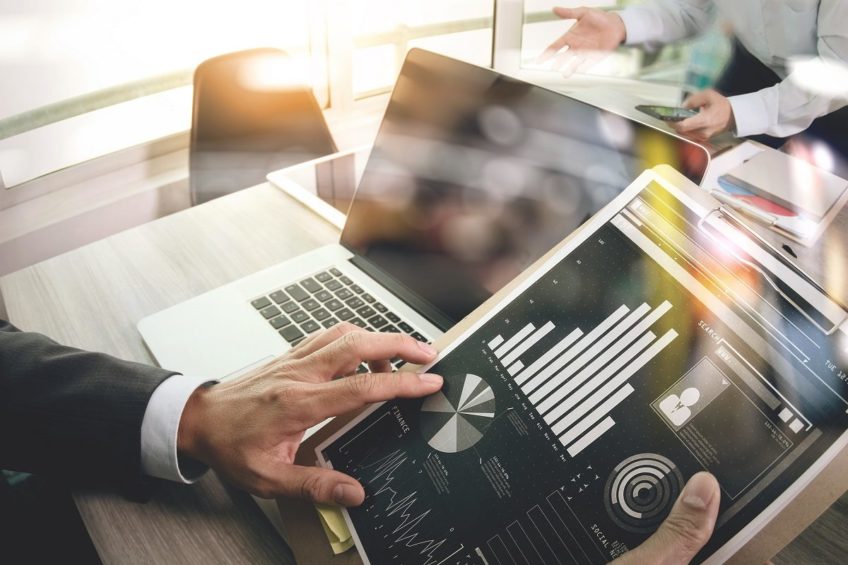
(565, 406)
(514, 340)
(585, 342)
(537, 558)
(496, 342)
(528, 343)
(615, 382)
(515, 367)
(539, 522)
(591, 436)
(546, 358)
(603, 410)
(595, 352)
(499, 550)
(608, 362)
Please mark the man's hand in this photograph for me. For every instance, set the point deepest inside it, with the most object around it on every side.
(686, 529)
(715, 116)
(249, 429)
(593, 34)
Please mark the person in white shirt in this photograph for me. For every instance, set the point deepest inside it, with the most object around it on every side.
(247, 429)
(762, 92)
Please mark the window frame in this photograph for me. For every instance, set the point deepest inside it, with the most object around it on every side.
(331, 42)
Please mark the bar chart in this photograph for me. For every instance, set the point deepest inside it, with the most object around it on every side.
(546, 533)
(576, 383)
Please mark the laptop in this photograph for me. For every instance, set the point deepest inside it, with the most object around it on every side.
(472, 177)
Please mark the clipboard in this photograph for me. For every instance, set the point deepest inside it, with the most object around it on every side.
(309, 544)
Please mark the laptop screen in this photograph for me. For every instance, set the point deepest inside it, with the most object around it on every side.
(474, 175)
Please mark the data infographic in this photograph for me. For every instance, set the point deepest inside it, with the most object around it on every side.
(573, 414)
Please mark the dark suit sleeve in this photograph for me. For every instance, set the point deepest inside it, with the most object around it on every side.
(71, 413)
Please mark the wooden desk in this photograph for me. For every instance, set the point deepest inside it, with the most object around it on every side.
(93, 297)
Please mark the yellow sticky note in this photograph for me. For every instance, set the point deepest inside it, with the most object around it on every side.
(335, 528)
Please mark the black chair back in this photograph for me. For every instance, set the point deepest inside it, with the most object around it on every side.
(246, 123)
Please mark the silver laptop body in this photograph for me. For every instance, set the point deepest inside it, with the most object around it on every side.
(482, 172)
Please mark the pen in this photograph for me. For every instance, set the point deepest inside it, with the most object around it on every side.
(744, 208)
(759, 216)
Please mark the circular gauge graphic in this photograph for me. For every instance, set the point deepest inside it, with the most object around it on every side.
(456, 417)
(641, 490)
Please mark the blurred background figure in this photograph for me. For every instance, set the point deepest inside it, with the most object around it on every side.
(788, 72)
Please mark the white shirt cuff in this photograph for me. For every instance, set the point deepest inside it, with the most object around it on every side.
(639, 25)
(750, 113)
(159, 431)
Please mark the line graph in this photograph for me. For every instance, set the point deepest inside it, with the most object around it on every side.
(408, 521)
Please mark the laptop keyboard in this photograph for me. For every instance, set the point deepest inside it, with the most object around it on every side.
(322, 301)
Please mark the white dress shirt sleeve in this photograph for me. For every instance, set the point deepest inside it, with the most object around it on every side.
(159, 431)
(665, 21)
(804, 95)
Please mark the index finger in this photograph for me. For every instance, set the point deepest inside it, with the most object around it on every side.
(562, 41)
(690, 124)
(570, 13)
(321, 339)
(357, 391)
(553, 48)
(343, 355)
(696, 100)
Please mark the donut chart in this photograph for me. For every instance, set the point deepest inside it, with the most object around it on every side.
(641, 490)
(456, 417)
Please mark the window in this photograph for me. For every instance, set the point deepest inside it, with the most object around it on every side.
(86, 78)
(383, 31)
(83, 78)
(73, 48)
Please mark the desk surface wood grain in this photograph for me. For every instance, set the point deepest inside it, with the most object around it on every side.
(93, 297)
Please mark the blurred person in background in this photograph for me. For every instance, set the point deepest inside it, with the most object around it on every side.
(788, 72)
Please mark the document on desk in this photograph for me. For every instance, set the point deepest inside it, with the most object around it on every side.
(778, 191)
(655, 343)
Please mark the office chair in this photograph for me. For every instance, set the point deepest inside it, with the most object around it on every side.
(247, 122)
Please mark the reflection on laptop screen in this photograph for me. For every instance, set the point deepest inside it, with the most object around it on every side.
(474, 176)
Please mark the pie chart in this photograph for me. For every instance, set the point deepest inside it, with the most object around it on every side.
(456, 417)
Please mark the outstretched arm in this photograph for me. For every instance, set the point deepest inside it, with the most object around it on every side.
(666, 21)
(595, 32)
